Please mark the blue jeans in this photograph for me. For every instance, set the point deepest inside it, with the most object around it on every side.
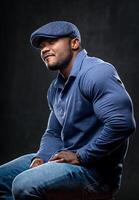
(48, 181)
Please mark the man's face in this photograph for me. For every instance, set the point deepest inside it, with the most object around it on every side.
(56, 53)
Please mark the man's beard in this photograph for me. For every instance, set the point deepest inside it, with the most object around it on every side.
(61, 65)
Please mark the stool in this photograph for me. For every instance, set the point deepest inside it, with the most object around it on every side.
(68, 195)
(105, 199)
(99, 196)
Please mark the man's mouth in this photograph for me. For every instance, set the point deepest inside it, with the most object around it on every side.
(45, 57)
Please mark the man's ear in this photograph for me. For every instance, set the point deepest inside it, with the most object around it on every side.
(75, 43)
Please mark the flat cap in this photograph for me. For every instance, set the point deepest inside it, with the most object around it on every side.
(55, 29)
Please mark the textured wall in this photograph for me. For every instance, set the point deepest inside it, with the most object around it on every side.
(109, 30)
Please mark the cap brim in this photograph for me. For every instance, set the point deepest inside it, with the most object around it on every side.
(37, 39)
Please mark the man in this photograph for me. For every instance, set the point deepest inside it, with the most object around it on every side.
(82, 151)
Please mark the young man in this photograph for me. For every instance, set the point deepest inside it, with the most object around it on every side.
(82, 151)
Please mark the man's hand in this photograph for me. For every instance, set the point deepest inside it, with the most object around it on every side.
(65, 157)
(36, 162)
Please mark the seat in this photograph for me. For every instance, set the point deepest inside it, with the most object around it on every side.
(69, 195)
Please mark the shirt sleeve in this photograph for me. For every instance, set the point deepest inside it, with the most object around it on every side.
(112, 105)
(51, 140)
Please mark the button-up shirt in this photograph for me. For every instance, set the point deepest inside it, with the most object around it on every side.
(91, 114)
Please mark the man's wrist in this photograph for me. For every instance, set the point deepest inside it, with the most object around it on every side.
(79, 158)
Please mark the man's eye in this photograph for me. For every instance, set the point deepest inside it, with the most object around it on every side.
(45, 42)
(52, 41)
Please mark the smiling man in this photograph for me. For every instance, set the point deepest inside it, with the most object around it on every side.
(82, 151)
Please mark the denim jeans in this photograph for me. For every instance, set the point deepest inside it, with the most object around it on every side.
(48, 181)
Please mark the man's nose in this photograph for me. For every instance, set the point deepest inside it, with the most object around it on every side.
(45, 49)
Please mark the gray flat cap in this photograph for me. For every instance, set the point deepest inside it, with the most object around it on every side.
(55, 29)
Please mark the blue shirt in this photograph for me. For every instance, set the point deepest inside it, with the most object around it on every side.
(91, 114)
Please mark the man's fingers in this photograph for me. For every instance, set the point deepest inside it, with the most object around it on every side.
(34, 165)
(59, 156)
(55, 157)
(36, 162)
(61, 160)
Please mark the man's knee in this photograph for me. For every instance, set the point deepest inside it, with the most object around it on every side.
(21, 186)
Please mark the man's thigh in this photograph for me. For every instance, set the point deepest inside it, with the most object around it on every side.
(10, 170)
(52, 180)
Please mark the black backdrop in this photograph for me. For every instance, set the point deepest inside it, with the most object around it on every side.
(109, 29)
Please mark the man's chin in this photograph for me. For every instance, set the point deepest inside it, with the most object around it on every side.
(52, 67)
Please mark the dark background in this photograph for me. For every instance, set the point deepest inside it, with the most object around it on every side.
(109, 29)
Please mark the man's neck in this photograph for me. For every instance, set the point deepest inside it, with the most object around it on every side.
(66, 71)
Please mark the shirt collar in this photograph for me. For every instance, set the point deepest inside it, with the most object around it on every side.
(75, 69)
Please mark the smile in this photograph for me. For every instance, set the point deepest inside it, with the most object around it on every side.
(47, 56)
